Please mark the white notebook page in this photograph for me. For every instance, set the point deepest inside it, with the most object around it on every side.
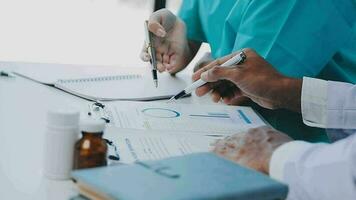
(126, 87)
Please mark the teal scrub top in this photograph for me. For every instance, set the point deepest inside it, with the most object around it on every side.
(315, 38)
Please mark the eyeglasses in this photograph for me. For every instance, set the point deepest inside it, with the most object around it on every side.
(97, 111)
(116, 156)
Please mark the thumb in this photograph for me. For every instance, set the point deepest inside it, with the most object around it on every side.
(156, 28)
(220, 73)
(161, 21)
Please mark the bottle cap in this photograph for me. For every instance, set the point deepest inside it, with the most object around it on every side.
(92, 125)
(63, 117)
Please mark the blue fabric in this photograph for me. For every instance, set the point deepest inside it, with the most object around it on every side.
(298, 37)
(315, 38)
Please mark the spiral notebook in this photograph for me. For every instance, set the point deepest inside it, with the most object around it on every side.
(124, 87)
(102, 83)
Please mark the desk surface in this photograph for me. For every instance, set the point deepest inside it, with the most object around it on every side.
(23, 107)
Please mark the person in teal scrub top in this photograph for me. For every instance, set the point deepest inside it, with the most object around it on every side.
(298, 37)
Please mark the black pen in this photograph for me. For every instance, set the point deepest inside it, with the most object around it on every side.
(152, 52)
(2, 73)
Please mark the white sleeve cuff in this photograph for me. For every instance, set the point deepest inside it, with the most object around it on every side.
(341, 107)
(314, 102)
(288, 152)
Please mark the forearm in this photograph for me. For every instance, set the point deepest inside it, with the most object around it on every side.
(292, 94)
(316, 171)
(287, 93)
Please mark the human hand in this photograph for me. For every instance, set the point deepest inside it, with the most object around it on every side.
(255, 79)
(169, 39)
(253, 149)
(222, 89)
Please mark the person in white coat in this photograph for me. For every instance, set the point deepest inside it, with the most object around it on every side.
(312, 171)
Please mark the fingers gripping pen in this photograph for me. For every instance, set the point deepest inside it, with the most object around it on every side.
(152, 52)
(237, 59)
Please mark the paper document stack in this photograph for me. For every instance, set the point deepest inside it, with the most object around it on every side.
(152, 131)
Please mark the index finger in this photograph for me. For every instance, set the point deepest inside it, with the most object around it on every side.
(217, 62)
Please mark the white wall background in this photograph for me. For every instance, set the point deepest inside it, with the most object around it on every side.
(108, 32)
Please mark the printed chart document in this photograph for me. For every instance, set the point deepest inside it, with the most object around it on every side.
(184, 118)
(134, 147)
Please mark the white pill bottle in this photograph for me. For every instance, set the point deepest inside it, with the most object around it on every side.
(62, 131)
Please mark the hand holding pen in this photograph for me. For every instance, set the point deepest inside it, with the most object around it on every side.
(228, 62)
(255, 79)
(168, 34)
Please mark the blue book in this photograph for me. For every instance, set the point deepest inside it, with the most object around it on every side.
(191, 177)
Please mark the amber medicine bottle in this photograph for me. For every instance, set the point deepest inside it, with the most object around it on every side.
(91, 150)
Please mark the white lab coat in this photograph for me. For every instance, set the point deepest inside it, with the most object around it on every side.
(322, 171)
